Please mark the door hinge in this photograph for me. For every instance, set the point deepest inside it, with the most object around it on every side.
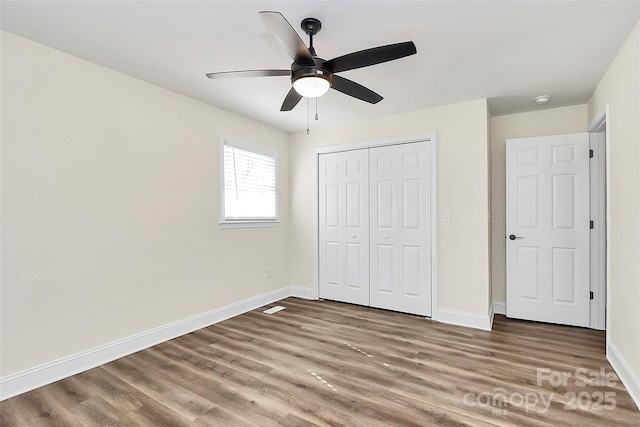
(591, 225)
(591, 154)
(590, 294)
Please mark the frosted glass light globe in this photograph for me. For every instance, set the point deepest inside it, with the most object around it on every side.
(311, 87)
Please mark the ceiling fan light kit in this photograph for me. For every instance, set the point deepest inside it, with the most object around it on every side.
(312, 76)
(312, 85)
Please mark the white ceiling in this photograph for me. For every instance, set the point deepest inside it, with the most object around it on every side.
(508, 52)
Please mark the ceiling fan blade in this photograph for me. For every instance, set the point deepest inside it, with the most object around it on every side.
(375, 55)
(351, 88)
(287, 37)
(249, 73)
(291, 100)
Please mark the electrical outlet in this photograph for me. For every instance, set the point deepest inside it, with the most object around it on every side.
(269, 273)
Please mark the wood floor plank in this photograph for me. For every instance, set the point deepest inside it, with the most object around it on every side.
(218, 416)
(98, 412)
(149, 381)
(142, 409)
(224, 391)
(295, 421)
(38, 408)
(323, 363)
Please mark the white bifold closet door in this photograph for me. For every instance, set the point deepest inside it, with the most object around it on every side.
(375, 242)
(344, 226)
(400, 228)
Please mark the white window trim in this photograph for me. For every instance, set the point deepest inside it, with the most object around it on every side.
(260, 149)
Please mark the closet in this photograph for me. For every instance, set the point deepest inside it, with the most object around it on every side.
(374, 226)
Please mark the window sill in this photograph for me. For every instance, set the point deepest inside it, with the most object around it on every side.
(249, 224)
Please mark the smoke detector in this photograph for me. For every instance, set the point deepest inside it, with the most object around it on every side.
(542, 99)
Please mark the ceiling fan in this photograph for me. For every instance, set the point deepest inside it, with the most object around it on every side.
(312, 76)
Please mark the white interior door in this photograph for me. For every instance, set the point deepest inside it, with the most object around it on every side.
(548, 229)
(344, 226)
(400, 228)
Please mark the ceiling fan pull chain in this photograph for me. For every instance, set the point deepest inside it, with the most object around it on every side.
(316, 108)
(307, 116)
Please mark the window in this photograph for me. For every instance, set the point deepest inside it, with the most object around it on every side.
(249, 184)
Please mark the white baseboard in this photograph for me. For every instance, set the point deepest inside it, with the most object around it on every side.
(465, 319)
(500, 307)
(303, 292)
(625, 373)
(47, 373)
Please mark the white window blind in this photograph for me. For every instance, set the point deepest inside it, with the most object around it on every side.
(250, 191)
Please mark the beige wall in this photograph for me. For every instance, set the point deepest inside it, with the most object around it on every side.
(462, 188)
(554, 121)
(620, 88)
(110, 208)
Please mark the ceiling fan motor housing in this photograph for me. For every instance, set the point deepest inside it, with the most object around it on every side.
(311, 26)
(299, 71)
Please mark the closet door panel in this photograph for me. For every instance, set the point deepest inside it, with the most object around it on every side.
(344, 226)
(400, 228)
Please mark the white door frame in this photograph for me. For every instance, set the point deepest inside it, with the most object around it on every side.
(597, 125)
(406, 139)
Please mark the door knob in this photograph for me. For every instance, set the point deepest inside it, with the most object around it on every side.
(514, 237)
(386, 237)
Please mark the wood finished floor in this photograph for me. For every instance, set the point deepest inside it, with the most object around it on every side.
(326, 363)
